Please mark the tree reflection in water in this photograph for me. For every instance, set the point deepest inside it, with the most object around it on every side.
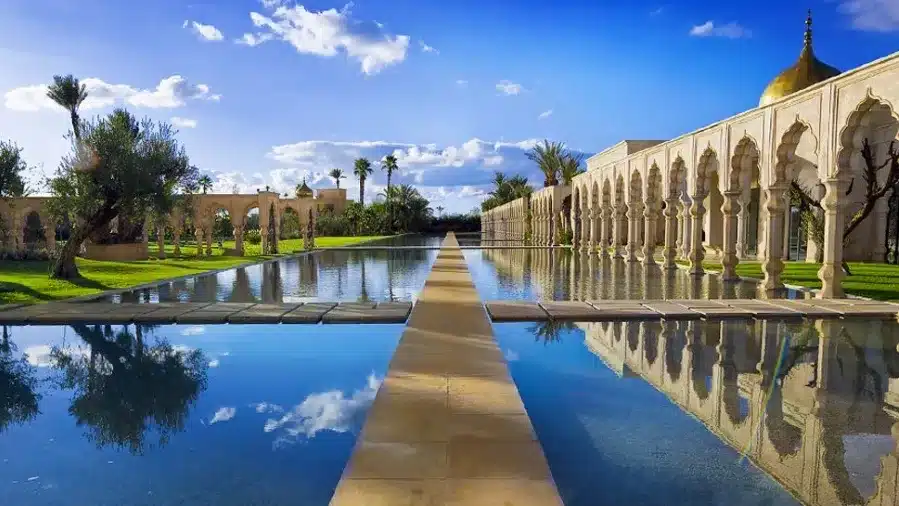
(551, 331)
(18, 386)
(124, 387)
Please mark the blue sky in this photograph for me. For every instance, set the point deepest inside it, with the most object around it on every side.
(457, 89)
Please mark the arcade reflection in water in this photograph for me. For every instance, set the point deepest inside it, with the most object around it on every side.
(560, 274)
(331, 276)
(815, 405)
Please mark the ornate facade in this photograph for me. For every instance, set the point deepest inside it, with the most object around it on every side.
(24, 216)
(723, 190)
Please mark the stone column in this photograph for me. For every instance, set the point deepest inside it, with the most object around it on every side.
(831, 272)
(160, 241)
(742, 220)
(671, 241)
(697, 250)
(878, 252)
(238, 240)
(588, 242)
(50, 236)
(595, 219)
(617, 229)
(263, 233)
(729, 259)
(650, 215)
(634, 210)
(773, 266)
(198, 233)
(554, 230)
(686, 230)
(606, 231)
(176, 236)
(209, 242)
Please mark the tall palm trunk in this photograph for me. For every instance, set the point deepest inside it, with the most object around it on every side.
(76, 124)
(362, 190)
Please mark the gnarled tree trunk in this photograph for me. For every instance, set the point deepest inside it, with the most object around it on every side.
(65, 267)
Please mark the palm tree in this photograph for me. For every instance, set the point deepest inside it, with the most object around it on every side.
(362, 169)
(69, 94)
(388, 165)
(440, 210)
(570, 166)
(205, 183)
(337, 175)
(548, 158)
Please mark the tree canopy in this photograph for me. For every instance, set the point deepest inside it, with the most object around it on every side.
(12, 165)
(121, 168)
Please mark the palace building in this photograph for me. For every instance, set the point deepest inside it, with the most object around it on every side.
(723, 191)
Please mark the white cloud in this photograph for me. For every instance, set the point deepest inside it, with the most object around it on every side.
(730, 30)
(511, 356)
(223, 415)
(461, 83)
(656, 12)
(509, 88)
(267, 407)
(326, 411)
(184, 122)
(41, 355)
(214, 363)
(171, 92)
(253, 39)
(545, 114)
(872, 15)
(426, 48)
(193, 330)
(328, 33)
(204, 32)
(271, 4)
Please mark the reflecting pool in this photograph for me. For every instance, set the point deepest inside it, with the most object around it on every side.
(330, 276)
(218, 414)
(713, 413)
(560, 274)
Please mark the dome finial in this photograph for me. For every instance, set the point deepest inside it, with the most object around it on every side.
(808, 29)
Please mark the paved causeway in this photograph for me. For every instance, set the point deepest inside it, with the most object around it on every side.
(447, 426)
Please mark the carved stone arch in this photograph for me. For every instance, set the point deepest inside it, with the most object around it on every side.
(677, 178)
(860, 121)
(654, 183)
(786, 150)
(595, 195)
(708, 163)
(746, 156)
(635, 189)
(606, 193)
(619, 190)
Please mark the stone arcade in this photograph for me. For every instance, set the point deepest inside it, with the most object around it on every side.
(723, 190)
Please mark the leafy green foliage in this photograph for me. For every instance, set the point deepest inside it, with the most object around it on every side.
(506, 190)
(556, 162)
(121, 168)
(336, 175)
(362, 169)
(12, 165)
(253, 236)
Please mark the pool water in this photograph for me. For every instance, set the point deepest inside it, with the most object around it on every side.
(560, 274)
(329, 276)
(225, 415)
(712, 413)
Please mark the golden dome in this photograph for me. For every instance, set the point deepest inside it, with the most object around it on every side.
(807, 71)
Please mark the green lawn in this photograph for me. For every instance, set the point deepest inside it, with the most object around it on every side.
(876, 281)
(29, 282)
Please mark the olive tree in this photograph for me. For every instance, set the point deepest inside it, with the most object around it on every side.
(122, 168)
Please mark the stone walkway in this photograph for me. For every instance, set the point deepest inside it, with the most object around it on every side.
(608, 310)
(60, 313)
(448, 426)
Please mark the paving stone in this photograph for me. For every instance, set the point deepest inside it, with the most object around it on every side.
(311, 312)
(515, 311)
(762, 309)
(64, 312)
(672, 311)
(569, 310)
(346, 312)
(623, 310)
(723, 313)
(262, 313)
(7, 307)
(808, 310)
(499, 491)
(692, 303)
(217, 312)
(380, 492)
(22, 314)
(871, 310)
(125, 313)
(166, 312)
